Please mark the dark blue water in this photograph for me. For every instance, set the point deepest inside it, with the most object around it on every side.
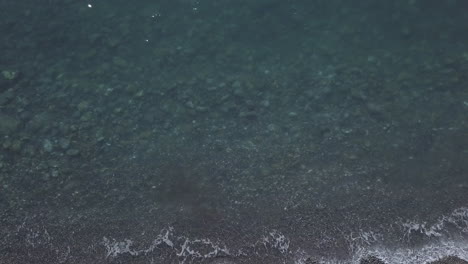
(233, 131)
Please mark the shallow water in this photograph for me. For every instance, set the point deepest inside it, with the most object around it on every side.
(233, 131)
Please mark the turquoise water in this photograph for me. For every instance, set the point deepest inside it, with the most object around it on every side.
(233, 131)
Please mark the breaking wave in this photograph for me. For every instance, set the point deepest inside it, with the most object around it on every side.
(446, 237)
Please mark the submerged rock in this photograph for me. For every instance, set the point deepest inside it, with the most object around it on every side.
(10, 75)
(6, 97)
(73, 152)
(7, 78)
(47, 145)
(8, 124)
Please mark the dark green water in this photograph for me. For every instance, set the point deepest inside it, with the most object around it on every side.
(233, 131)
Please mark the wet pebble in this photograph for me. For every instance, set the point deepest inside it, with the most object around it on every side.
(222, 261)
(371, 260)
(450, 260)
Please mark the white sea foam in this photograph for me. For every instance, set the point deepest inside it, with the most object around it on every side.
(187, 249)
(458, 219)
(427, 253)
(445, 243)
(362, 243)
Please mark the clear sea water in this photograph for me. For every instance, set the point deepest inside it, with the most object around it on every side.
(260, 131)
